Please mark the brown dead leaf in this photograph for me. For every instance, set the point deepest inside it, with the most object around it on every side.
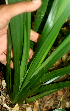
(16, 108)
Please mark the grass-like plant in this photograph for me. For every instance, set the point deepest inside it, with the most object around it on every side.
(32, 80)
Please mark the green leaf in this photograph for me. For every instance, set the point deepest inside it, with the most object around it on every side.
(39, 18)
(25, 56)
(28, 81)
(63, 48)
(16, 32)
(47, 45)
(59, 52)
(20, 61)
(8, 70)
(36, 81)
(57, 73)
(40, 14)
(17, 41)
(49, 40)
(59, 110)
(57, 9)
(45, 90)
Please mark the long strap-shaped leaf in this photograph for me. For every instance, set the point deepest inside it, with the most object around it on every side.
(56, 55)
(63, 48)
(16, 25)
(44, 35)
(54, 15)
(47, 44)
(39, 17)
(40, 77)
(56, 73)
(37, 82)
(40, 14)
(8, 70)
(17, 48)
(49, 39)
(17, 40)
(25, 56)
(49, 89)
(57, 9)
(51, 76)
(26, 86)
